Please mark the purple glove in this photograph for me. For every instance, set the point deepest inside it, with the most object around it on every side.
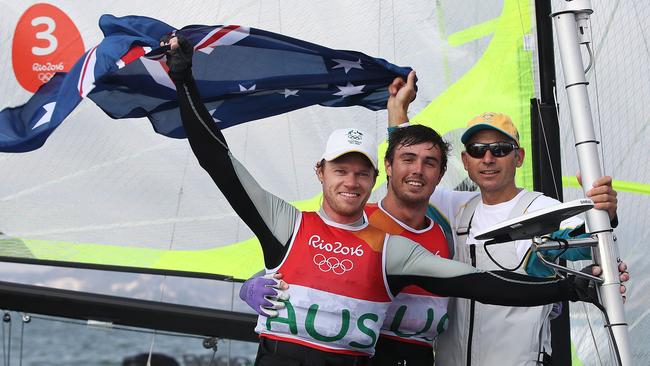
(264, 295)
(556, 311)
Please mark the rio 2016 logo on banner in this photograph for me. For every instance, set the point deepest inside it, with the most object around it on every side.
(46, 41)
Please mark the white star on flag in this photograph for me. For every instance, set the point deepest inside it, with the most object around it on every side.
(49, 109)
(289, 93)
(212, 115)
(349, 90)
(243, 88)
(347, 65)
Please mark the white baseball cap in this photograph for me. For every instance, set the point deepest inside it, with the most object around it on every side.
(348, 140)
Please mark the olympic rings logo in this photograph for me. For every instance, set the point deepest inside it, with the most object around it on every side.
(44, 77)
(333, 264)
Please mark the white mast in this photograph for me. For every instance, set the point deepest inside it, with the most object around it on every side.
(571, 25)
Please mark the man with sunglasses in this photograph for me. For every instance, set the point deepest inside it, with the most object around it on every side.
(496, 335)
(491, 157)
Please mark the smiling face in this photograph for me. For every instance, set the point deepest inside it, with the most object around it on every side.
(414, 172)
(347, 184)
(495, 176)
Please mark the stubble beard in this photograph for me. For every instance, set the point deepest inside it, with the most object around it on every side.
(409, 199)
(341, 208)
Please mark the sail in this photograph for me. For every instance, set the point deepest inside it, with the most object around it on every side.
(150, 204)
(618, 90)
(114, 193)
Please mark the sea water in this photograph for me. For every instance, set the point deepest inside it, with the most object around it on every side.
(52, 341)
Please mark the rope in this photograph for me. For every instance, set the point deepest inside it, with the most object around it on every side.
(118, 327)
(214, 354)
(591, 329)
(4, 347)
(592, 61)
(25, 319)
(171, 244)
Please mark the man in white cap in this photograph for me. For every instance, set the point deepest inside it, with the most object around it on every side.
(415, 161)
(344, 272)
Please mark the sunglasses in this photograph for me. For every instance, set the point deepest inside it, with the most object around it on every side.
(477, 150)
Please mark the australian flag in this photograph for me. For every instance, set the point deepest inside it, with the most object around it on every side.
(243, 74)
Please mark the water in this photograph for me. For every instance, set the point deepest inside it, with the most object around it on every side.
(48, 341)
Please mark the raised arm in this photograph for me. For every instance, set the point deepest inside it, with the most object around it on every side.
(402, 93)
(270, 218)
(408, 263)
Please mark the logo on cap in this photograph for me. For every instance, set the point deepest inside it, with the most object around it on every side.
(355, 137)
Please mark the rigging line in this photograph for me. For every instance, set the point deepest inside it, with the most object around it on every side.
(592, 61)
(548, 151)
(22, 338)
(214, 353)
(118, 327)
(232, 308)
(592, 333)
(288, 119)
(7, 319)
(591, 329)
(439, 12)
(521, 18)
(4, 347)
(179, 199)
(153, 338)
(376, 115)
(557, 113)
(392, 4)
(591, 58)
(163, 281)
(638, 22)
(639, 319)
(379, 53)
(379, 28)
(608, 26)
(246, 127)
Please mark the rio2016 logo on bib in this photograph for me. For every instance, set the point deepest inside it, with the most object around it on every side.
(46, 41)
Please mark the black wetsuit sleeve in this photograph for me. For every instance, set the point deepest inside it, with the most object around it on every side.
(209, 146)
(407, 263)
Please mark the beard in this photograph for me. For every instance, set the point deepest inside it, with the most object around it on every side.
(410, 198)
(343, 208)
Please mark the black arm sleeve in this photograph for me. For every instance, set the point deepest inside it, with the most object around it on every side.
(210, 148)
(407, 263)
(493, 287)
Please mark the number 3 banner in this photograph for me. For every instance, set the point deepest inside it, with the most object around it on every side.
(46, 41)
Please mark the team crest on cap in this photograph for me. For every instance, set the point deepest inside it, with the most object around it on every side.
(355, 137)
(488, 116)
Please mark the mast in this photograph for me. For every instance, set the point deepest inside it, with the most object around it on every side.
(545, 149)
(572, 30)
